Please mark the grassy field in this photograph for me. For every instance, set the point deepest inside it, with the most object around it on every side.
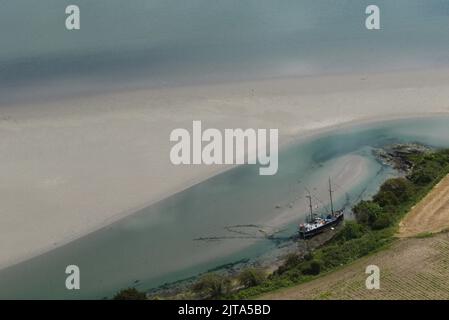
(412, 268)
(415, 266)
(400, 230)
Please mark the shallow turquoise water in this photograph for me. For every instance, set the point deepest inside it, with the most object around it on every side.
(156, 245)
(171, 42)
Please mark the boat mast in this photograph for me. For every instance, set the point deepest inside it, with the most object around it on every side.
(330, 194)
(310, 206)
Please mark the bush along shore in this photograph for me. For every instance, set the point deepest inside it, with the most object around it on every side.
(373, 229)
(376, 223)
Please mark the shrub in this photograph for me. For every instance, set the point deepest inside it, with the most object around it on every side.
(366, 212)
(422, 176)
(130, 294)
(212, 286)
(311, 268)
(251, 277)
(292, 260)
(294, 275)
(394, 191)
(351, 230)
(370, 232)
(383, 220)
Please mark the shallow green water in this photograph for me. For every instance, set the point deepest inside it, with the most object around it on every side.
(156, 245)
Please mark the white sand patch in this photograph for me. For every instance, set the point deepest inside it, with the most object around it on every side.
(347, 172)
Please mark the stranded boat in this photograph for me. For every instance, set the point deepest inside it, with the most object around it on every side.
(316, 224)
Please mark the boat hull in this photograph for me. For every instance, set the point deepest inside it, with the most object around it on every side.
(311, 233)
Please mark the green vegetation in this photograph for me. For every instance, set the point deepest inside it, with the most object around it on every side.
(212, 286)
(251, 277)
(130, 294)
(373, 229)
(424, 235)
(375, 225)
